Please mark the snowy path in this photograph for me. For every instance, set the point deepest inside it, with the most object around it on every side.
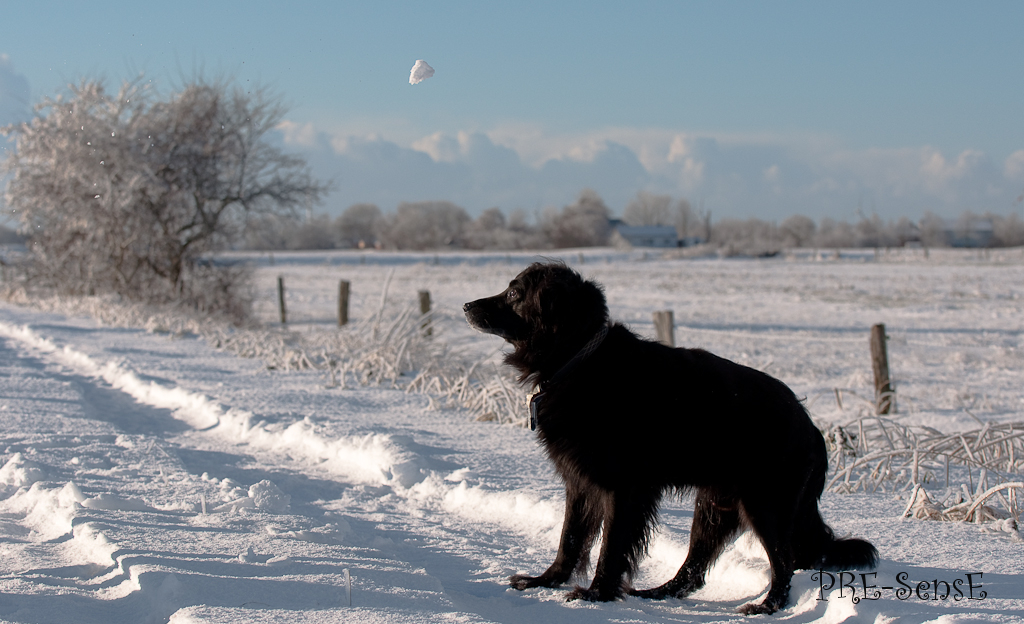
(111, 439)
(141, 453)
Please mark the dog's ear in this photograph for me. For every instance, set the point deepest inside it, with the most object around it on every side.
(567, 302)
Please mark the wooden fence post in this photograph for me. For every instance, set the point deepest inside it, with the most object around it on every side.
(343, 289)
(280, 298)
(425, 327)
(665, 326)
(885, 395)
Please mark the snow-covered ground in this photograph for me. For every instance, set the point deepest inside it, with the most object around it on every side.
(152, 478)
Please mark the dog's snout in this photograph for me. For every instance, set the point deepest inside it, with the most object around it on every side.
(466, 306)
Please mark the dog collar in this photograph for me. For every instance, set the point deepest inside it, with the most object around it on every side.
(583, 354)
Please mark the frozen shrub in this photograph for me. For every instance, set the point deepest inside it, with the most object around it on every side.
(127, 192)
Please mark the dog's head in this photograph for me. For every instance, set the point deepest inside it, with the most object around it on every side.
(546, 312)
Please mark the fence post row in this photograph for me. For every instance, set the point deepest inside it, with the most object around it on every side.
(665, 326)
(280, 298)
(343, 291)
(885, 395)
(425, 327)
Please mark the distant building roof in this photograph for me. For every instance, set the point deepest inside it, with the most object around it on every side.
(969, 232)
(649, 235)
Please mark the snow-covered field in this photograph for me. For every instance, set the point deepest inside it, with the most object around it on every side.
(151, 478)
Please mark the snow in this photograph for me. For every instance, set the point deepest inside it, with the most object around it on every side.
(420, 72)
(147, 477)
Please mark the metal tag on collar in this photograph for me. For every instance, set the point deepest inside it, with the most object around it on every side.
(534, 408)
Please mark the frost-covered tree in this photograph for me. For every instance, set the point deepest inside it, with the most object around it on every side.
(873, 232)
(835, 234)
(424, 225)
(1006, 231)
(359, 225)
(797, 231)
(933, 230)
(313, 233)
(581, 224)
(268, 232)
(685, 221)
(126, 191)
(746, 237)
(491, 230)
(487, 231)
(649, 209)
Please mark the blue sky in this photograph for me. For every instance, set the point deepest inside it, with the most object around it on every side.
(753, 109)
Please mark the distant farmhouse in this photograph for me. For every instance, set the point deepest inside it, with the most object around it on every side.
(649, 235)
(968, 232)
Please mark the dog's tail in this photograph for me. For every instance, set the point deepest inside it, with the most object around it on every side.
(818, 548)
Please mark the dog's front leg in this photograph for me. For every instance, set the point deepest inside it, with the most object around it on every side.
(582, 521)
(628, 518)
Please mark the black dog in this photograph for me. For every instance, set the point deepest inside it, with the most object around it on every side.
(626, 420)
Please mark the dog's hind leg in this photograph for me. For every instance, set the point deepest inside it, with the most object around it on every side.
(584, 510)
(715, 522)
(771, 515)
(628, 518)
(812, 537)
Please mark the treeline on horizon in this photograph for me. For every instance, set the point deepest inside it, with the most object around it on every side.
(588, 222)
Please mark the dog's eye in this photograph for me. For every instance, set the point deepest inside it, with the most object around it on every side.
(512, 294)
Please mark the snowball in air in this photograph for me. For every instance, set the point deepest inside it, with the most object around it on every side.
(420, 72)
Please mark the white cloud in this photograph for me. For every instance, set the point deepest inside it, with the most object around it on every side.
(1013, 168)
(302, 135)
(524, 166)
(922, 178)
(941, 171)
(441, 147)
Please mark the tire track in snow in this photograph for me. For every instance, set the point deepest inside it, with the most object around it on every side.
(106, 549)
(45, 538)
(373, 459)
